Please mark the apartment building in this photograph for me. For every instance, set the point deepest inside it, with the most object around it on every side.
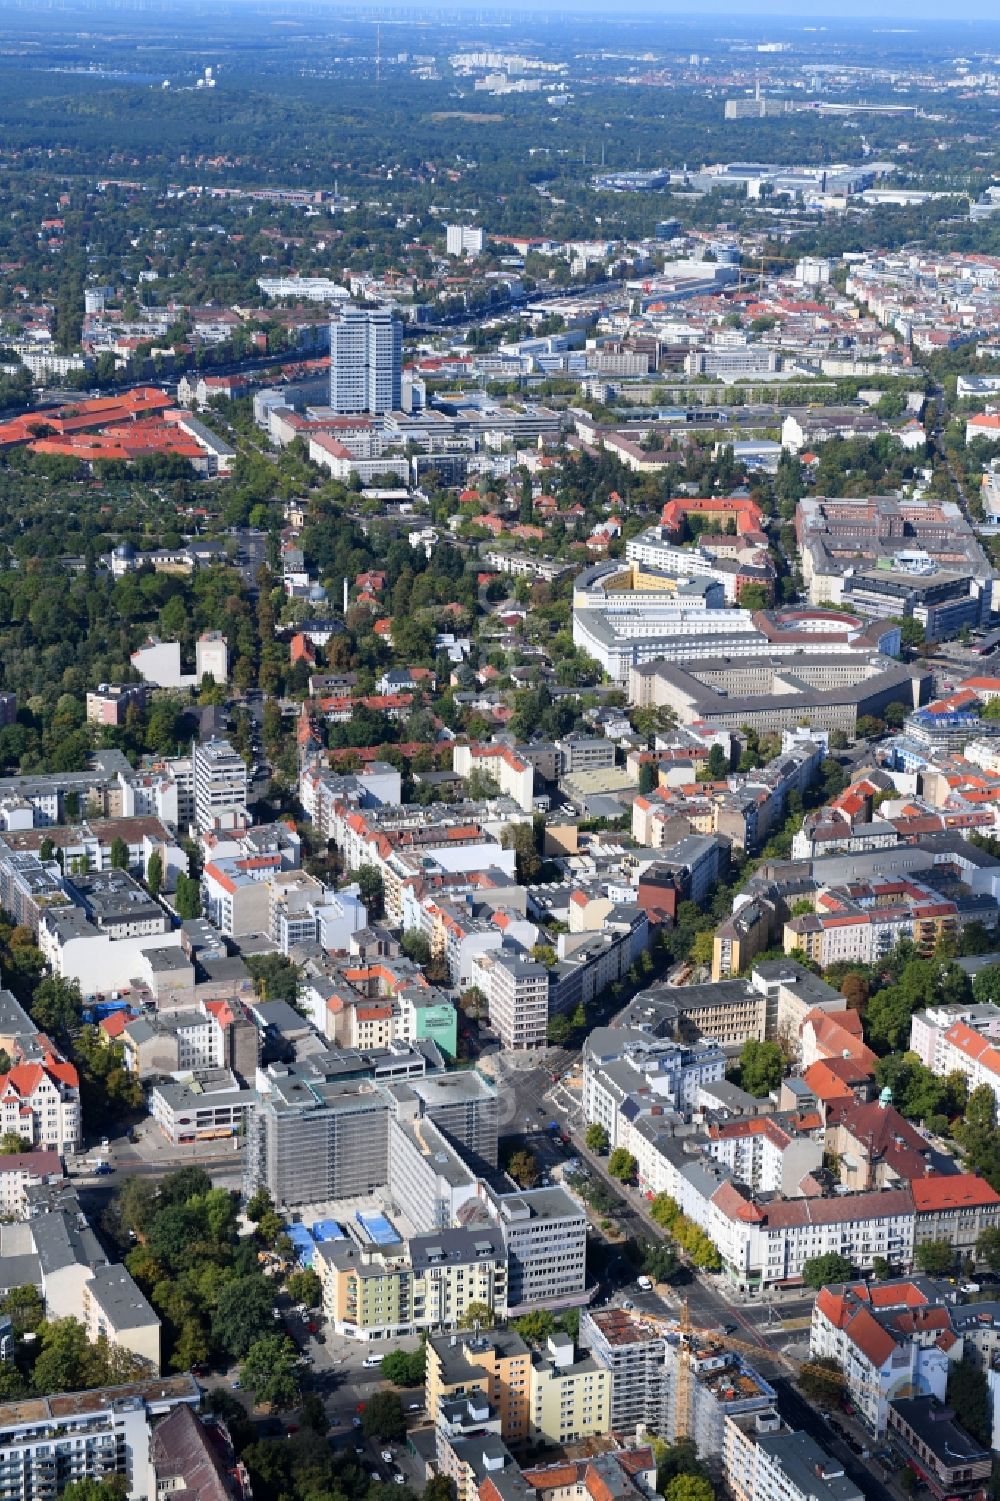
(887, 1338)
(321, 1130)
(868, 918)
(215, 1034)
(932, 1438)
(197, 1458)
(425, 1283)
(113, 1308)
(493, 1364)
(206, 1105)
(632, 1351)
(513, 775)
(956, 1208)
(463, 239)
(770, 1153)
(964, 1050)
(311, 1138)
(764, 1460)
(366, 360)
(788, 1232)
(720, 1385)
(48, 1443)
(468, 1447)
(21, 1172)
(730, 1012)
(652, 1075)
(40, 1102)
(570, 1394)
(301, 910)
(429, 1179)
(110, 703)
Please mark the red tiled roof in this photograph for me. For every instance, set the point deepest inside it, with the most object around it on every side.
(952, 1191)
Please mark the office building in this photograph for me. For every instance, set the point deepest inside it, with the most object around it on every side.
(366, 361)
(220, 786)
(463, 239)
(546, 1235)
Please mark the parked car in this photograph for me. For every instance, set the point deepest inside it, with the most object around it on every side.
(387, 1456)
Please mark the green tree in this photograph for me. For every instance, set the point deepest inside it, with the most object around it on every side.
(112, 1488)
(416, 946)
(405, 1367)
(304, 1286)
(56, 1005)
(258, 1204)
(819, 1271)
(535, 1327)
(313, 1413)
(648, 777)
(677, 1459)
(440, 1488)
(935, 1257)
(658, 1261)
(154, 873)
(187, 898)
(521, 839)
(25, 1309)
(596, 1137)
(66, 1361)
(119, 854)
(690, 1488)
(559, 1029)
(11, 1142)
(243, 1315)
(988, 1248)
(968, 1395)
(761, 1067)
(718, 763)
(271, 1371)
(986, 986)
(372, 889)
(881, 1268)
(622, 1165)
(275, 977)
(476, 1316)
(523, 1168)
(383, 1417)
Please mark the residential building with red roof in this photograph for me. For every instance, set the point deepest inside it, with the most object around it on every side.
(876, 1146)
(963, 1050)
(513, 775)
(956, 1209)
(890, 1339)
(40, 1102)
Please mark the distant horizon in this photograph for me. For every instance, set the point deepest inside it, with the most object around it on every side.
(901, 15)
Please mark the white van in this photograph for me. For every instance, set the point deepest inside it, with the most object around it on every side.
(644, 1283)
(370, 1361)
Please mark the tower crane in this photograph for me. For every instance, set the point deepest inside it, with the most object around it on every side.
(760, 261)
(686, 1332)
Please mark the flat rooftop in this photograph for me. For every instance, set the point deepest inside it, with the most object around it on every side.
(160, 1389)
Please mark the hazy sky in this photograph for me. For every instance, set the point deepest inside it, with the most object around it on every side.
(894, 12)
